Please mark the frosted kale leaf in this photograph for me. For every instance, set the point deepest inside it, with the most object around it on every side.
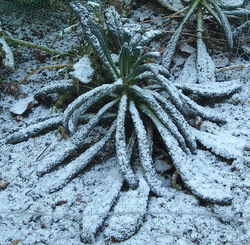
(231, 4)
(173, 5)
(130, 207)
(177, 5)
(241, 35)
(200, 69)
(5, 52)
(103, 188)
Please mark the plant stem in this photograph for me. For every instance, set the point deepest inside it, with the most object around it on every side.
(229, 68)
(44, 67)
(13, 42)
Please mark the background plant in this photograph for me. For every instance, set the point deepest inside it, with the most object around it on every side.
(219, 10)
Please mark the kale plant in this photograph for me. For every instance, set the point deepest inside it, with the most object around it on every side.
(214, 9)
(136, 92)
(138, 105)
(219, 10)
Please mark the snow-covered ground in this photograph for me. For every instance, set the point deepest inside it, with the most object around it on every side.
(29, 214)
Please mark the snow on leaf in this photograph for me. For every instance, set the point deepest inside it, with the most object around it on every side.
(114, 26)
(172, 44)
(224, 23)
(230, 4)
(128, 212)
(102, 186)
(189, 71)
(121, 148)
(57, 153)
(87, 99)
(34, 128)
(61, 177)
(83, 70)
(209, 89)
(77, 113)
(57, 87)
(173, 5)
(145, 156)
(221, 144)
(194, 109)
(8, 60)
(161, 114)
(148, 36)
(172, 91)
(65, 148)
(205, 64)
(204, 179)
(93, 4)
(179, 120)
(238, 34)
(207, 85)
(196, 171)
(95, 37)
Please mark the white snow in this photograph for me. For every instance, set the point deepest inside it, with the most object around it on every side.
(22, 105)
(83, 70)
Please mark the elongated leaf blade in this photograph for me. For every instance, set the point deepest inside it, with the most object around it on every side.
(196, 171)
(211, 90)
(171, 47)
(179, 120)
(121, 146)
(87, 99)
(76, 141)
(191, 108)
(161, 114)
(34, 128)
(115, 26)
(64, 175)
(128, 213)
(57, 87)
(145, 155)
(95, 37)
(224, 23)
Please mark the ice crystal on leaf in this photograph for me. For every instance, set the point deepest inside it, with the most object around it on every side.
(138, 104)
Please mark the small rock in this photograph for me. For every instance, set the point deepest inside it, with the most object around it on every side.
(23, 105)
(3, 184)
